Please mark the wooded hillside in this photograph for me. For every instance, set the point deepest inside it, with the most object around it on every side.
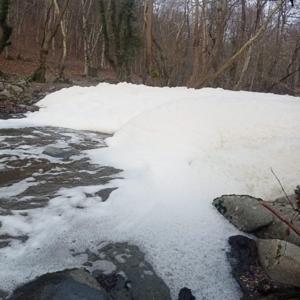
(235, 44)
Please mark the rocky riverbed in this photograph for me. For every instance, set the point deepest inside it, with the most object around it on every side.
(19, 95)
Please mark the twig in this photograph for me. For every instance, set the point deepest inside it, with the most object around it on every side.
(283, 190)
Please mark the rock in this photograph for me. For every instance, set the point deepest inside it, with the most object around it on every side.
(60, 152)
(15, 90)
(245, 212)
(74, 284)
(277, 229)
(281, 260)
(186, 294)
(131, 278)
(297, 191)
(140, 278)
(251, 276)
(117, 286)
(105, 193)
(5, 95)
(16, 98)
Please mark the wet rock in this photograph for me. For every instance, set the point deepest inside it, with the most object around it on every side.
(281, 260)
(138, 279)
(105, 193)
(6, 239)
(131, 278)
(117, 286)
(3, 295)
(59, 152)
(186, 294)
(44, 177)
(255, 283)
(245, 212)
(4, 244)
(9, 108)
(66, 285)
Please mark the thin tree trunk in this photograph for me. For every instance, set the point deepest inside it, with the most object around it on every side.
(5, 30)
(244, 69)
(62, 64)
(86, 45)
(196, 47)
(148, 24)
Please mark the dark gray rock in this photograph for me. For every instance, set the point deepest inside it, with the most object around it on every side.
(131, 278)
(251, 276)
(60, 152)
(245, 212)
(105, 193)
(140, 278)
(117, 286)
(65, 285)
(186, 294)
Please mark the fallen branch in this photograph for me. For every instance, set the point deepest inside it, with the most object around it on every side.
(282, 219)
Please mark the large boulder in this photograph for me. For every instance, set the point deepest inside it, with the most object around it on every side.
(245, 212)
(281, 260)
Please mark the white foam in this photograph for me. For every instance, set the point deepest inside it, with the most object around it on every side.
(180, 148)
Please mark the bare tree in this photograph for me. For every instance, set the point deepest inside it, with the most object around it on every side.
(49, 33)
(5, 29)
(148, 32)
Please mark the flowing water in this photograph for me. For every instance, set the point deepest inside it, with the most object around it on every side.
(35, 163)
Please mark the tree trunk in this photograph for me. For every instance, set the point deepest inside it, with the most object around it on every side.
(39, 74)
(148, 24)
(5, 30)
(86, 46)
(196, 47)
(62, 64)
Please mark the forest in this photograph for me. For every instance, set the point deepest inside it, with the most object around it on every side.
(251, 45)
